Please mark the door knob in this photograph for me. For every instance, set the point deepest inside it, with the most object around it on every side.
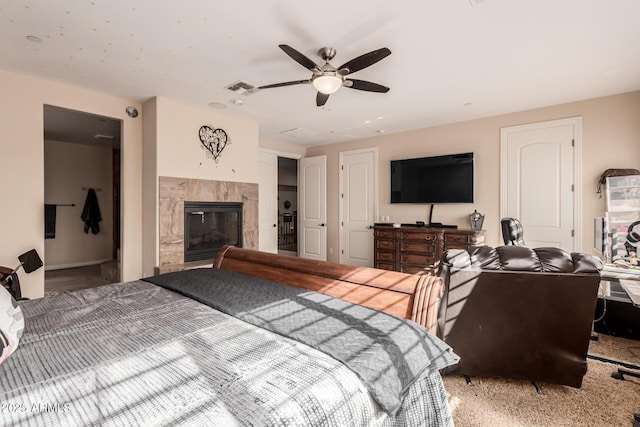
(274, 225)
(322, 225)
(370, 227)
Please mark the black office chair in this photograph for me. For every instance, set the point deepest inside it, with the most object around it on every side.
(512, 232)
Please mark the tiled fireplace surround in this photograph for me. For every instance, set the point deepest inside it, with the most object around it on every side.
(172, 194)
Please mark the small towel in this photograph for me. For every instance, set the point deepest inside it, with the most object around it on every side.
(91, 213)
(49, 221)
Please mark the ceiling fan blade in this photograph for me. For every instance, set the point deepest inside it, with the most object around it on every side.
(363, 61)
(365, 85)
(299, 58)
(321, 99)
(296, 82)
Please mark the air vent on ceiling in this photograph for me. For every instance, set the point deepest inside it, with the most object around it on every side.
(298, 132)
(242, 88)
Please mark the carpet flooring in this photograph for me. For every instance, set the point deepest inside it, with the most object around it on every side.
(602, 401)
(72, 279)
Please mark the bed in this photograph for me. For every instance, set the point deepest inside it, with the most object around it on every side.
(257, 340)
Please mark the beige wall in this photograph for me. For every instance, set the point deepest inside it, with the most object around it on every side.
(283, 148)
(179, 152)
(611, 139)
(22, 156)
(150, 245)
(173, 149)
(68, 168)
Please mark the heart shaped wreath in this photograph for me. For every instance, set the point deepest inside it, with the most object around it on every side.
(213, 140)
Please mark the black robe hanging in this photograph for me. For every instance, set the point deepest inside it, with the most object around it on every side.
(91, 213)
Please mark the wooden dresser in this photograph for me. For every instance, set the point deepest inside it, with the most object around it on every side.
(412, 249)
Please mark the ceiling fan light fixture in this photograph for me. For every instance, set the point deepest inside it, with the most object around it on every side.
(327, 84)
(327, 79)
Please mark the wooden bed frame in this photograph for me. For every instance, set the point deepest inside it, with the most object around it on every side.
(415, 297)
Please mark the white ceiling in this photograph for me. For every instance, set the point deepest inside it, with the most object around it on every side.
(451, 61)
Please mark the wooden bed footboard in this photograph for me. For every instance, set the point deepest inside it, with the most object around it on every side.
(415, 297)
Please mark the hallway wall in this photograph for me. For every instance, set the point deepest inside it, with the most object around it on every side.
(68, 168)
(22, 185)
(610, 139)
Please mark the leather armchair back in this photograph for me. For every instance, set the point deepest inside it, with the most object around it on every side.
(518, 312)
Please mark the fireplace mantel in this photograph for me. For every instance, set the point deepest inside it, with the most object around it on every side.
(173, 192)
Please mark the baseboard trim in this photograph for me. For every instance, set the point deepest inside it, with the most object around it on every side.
(74, 265)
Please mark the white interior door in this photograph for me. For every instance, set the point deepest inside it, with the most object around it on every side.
(357, 206)
(539, 180)
(268, 203)
(312, 180)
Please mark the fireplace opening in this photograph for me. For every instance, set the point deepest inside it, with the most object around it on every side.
(208, 226)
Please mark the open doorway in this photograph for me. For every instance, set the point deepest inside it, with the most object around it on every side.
(278, 203)
(287, 206)
(82, 158)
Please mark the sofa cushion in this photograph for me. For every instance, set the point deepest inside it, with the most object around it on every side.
(484, 257)
(555, 260)
(522, 258)
(518, 258)
(585, 263)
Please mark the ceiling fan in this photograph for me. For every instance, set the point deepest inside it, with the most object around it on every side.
(327, 79)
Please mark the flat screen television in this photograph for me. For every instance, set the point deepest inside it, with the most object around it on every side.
(433, 180)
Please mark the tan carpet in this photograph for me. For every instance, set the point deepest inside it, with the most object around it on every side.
(72, 279)
(602, 400)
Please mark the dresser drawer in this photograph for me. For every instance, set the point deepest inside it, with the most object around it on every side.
(384, 234)
(420, 259)
(419, 235)
(457, 238)
(411, 246)
(385, 256)
(385, 244)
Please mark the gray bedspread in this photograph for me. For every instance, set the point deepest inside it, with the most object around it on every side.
(137, 354)
(387, 352)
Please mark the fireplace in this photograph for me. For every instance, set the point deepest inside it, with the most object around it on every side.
(210, 225)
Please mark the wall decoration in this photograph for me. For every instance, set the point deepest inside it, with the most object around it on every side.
(214, 140)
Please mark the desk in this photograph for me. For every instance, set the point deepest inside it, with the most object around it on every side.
(611, 290)
(615, 312)
(617, 315)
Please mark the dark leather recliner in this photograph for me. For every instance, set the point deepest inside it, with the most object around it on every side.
(517, 312)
